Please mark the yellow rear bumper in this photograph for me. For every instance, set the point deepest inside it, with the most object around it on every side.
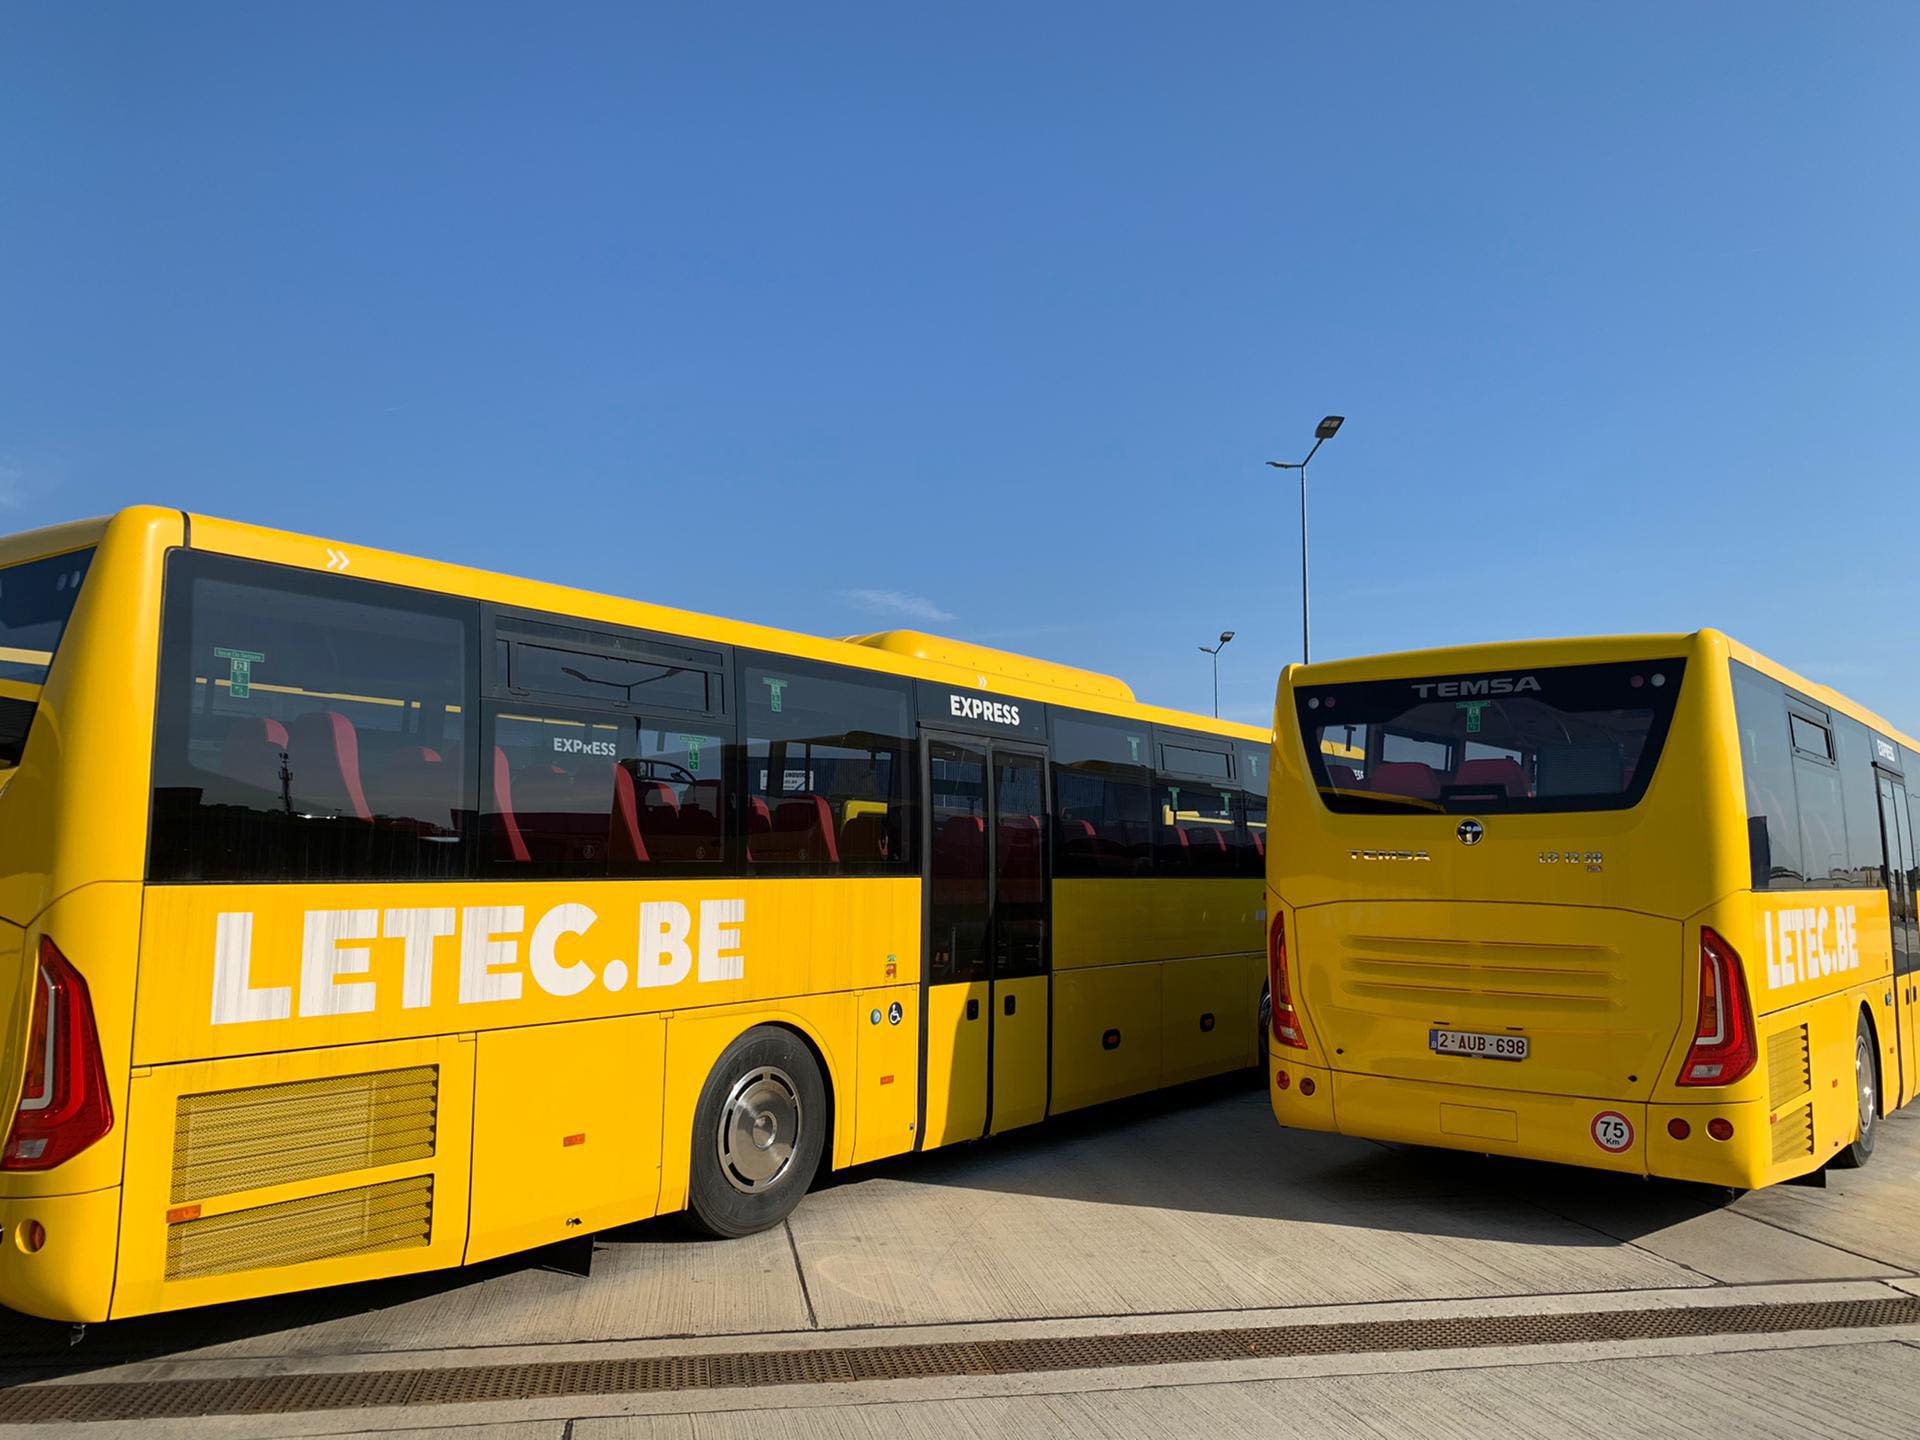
(1564, 1129)
(71, 1276)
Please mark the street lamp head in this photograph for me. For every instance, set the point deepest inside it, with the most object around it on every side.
(1329, 427)
(1225, 635)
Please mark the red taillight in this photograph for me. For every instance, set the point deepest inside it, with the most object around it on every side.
(1723, 1049)
(63, 1104)
(1286, 1024)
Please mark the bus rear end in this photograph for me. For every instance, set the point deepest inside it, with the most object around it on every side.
(78, 633)
(1496, 896)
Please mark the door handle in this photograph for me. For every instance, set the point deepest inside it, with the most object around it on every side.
(973, 1009)
(1009, 1005)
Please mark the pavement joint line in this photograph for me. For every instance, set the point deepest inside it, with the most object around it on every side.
(800, 1273)
(1013, 1358)
(1843, 1249)
(147, 1369)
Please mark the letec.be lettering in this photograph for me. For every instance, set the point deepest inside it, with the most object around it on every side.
(675, 941)
(1810, 942)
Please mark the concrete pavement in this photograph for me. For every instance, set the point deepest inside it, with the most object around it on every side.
(1188, 1210)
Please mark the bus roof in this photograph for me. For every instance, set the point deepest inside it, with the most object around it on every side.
(1586, 649)
(900, 652)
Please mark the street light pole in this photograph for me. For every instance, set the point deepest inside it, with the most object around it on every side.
(1214, 650)
(1323, 432)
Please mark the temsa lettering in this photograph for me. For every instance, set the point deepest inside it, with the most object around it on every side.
(338, 949)
(1492, 685)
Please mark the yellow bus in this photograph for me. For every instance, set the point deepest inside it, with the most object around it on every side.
(1643, 904)
(362, 915)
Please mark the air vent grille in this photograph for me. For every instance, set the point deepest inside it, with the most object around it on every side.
(1789, 1073)
(397, 1215)
(232, 1140)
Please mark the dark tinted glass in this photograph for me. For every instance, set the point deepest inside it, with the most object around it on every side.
(1853, 750)
(310, 727)
(585, 792)
(1823, 819)
(1253, 782)
(1195, 828)
(36, 600)
(1560, 738)
(827, 757)
(1103, 797)
(613, 679)
(1020, 893)
(1766, 760)
(1198, 764)
(1810, 737)
(957, 899)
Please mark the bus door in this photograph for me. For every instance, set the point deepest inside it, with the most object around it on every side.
(1896, 840)
(986, 988)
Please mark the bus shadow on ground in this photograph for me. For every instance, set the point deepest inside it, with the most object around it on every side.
(1206, 1148)
(1213, 1147)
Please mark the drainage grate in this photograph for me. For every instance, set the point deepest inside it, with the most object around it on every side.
(46, 1403)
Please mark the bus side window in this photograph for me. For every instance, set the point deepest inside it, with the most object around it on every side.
(310, 727)
(1760, 710)
(828, 752)
(1102, 797)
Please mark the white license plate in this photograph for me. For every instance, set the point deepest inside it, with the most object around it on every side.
(1480, 1046)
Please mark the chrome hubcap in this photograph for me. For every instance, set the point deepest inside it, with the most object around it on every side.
(759, 1128)
(1863, 1076)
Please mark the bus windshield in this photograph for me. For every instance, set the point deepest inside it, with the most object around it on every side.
(1561, 738)
(36, 598)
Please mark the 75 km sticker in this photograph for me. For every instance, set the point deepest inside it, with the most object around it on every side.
(1612, 1132)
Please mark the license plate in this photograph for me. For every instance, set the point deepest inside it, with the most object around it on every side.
(1478, 1045)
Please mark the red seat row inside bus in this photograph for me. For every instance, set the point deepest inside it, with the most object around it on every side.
(1421, 781)
(537, 811)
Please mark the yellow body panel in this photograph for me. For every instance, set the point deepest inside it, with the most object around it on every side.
(150, 1209)
(885, 1099)
(1211, 1009)
(957, 1029)
(566, 1131)
(1121, 922)
(1019, 1052)
(1395, 928)
(1106, 1034)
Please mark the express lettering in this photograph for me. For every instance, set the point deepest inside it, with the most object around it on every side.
(1810, 942)
(337, 950)
(568, 746)
(1494, 685)
(972, 707)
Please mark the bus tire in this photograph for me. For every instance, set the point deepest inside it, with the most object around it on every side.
(1866, 1074)
(759, 1131)
(1265, 1016)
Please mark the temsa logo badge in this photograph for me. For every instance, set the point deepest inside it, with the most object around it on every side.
(1470, 832)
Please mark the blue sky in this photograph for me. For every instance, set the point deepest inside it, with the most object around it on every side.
(984, 318)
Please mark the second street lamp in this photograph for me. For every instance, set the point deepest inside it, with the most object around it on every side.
(1323, 432)
(1214, 650)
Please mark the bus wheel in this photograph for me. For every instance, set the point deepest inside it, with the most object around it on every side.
(1266, 1028)
(1866, 1080)
(758, 1134)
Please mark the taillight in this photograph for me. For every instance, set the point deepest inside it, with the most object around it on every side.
(63, 1103)
(1286, 1024)
(1723, 1049)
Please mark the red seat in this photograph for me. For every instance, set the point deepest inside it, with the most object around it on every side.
(865, 837)
(802, 833)
(1500, 774)
(1411, 778)
(759, 826)
(323, 757)
(253, 752)
(510, 844)
(1342, 777)
(659, 815)
(626, 844)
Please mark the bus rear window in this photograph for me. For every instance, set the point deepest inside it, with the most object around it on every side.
(36, 599)
(1560, 738)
